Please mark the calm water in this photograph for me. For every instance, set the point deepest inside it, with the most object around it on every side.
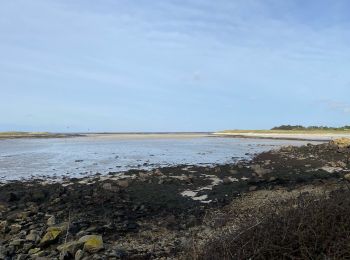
(81, 156)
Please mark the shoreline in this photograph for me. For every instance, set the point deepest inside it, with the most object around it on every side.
(316, 136)
(284, 136)
(167, 207)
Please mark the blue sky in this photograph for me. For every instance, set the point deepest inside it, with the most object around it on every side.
(171, 65)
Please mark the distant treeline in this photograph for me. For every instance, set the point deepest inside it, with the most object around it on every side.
(300, 127)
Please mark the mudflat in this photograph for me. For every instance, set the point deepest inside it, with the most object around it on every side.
(155, 214)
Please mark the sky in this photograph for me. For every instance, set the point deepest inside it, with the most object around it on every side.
(172, 65)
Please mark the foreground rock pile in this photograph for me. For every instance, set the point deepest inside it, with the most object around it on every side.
(149, 214)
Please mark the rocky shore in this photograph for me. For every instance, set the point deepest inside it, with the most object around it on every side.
(165, 213)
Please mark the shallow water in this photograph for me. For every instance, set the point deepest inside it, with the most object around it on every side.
(81, 156)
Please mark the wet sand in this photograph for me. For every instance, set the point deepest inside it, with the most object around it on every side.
(152, 214)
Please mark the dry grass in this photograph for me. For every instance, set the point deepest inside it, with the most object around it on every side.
(307, 227)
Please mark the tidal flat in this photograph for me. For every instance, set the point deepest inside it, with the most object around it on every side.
(55, 158)
(169, 212)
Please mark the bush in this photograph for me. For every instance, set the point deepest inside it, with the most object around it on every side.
(308, 227)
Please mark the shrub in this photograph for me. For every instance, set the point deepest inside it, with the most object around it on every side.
(307, 227)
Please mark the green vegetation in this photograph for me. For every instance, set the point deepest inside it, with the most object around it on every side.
(311, 128)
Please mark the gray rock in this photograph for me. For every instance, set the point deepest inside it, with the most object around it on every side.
(226, 180)
(347, 176)
(123, 183)
(15, 228)
(51, 221)
(33, 236)
(79, 255)
(3, 226)
(16, 242)
(260, 171)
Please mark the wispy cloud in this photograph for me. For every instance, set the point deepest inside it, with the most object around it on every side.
(148, 57)
(338, 106)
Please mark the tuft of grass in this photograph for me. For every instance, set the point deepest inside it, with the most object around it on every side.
(307, 227)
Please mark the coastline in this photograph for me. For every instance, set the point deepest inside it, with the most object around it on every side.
(283, 136)
(157, 213)
(256, 134)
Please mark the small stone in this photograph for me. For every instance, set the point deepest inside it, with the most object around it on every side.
(79, 255)
(33, 236)
(70, 247)
(92, 243)
(158, 172)
(50, 237)
(347, 176)
(226, 180)
(260, 171)
(271, 179)
(22, 257)
(232, 171)
(110, 187)
(123, 183)
(51, 221)
(3, 226)
(252, 188)
(15, 228)
(34, 251)
(16, 242)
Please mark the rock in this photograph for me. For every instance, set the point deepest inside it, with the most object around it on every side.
(70, 247)
(232, 171)
(157, 172)
(341, 164)
(217, 169)
(226, 180)
(3, 226)
(34, 251)
(51, 221)
(27, 246)
(16, 242)
(123, 183)
(50, 237)
(33, 236)
(272, 179)
(110, 187)
(15, 228)
(92, 243)
(252, 188)
(62, 227)
(347, 176)
(79, 255)
(22, 257)
(260, 171)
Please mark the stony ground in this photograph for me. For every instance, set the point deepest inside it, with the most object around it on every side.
(158, 214)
